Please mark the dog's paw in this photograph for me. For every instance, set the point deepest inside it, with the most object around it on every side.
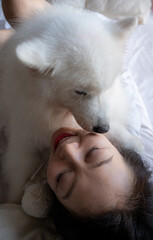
(37, 200)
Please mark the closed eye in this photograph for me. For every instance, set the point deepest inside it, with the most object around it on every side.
(81, 92)
(48, 71)
(97, 159)
(91, 150)
(58, 177)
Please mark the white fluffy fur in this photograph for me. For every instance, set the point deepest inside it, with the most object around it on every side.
(114, 8)
(42, 65)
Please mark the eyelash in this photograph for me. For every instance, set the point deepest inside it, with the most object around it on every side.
(60, 175)
(91, 150)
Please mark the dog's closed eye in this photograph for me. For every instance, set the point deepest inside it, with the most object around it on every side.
(43, 72)
(81, 92)
(48, 71)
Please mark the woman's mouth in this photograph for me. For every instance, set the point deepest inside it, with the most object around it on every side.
(61, 138)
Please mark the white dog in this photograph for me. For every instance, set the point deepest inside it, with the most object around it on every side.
(56, 63)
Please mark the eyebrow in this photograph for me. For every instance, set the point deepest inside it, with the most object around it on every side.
(69, 192)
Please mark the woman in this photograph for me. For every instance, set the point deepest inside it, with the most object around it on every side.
(106, 193)
(100, 191)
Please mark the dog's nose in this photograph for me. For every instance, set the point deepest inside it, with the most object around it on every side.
(101, 129)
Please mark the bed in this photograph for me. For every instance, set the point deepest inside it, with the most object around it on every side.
(138, 71)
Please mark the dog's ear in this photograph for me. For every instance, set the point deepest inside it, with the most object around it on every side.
(124, 27)
(33, 54)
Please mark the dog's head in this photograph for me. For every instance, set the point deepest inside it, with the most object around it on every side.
(80, 55)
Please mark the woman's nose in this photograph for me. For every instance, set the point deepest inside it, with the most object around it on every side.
(70, 152)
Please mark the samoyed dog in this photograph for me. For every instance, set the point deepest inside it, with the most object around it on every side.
(56, 65)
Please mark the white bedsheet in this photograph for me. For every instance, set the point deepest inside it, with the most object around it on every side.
(139, 62)
(14, 223)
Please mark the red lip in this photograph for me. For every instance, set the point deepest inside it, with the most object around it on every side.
(59, 138)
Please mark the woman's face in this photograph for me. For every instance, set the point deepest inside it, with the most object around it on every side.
(86, 172)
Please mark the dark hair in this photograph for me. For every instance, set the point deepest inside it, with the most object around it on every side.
(134, 221)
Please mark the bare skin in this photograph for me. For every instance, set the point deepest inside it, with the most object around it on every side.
(4, 35)
(17, 9)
